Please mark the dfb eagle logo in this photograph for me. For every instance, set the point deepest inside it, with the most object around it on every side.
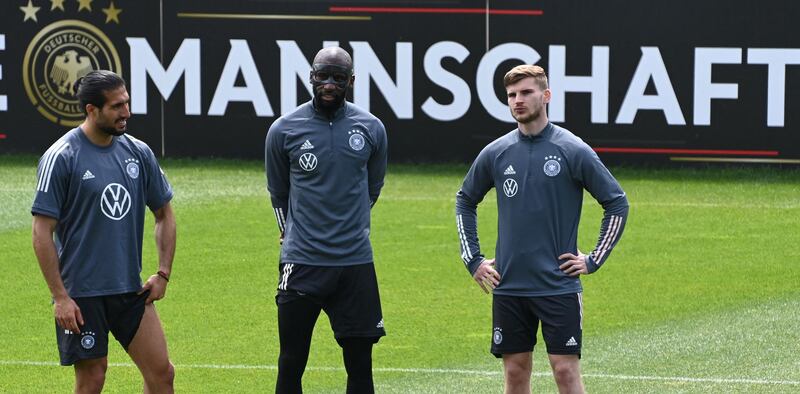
(67, 68)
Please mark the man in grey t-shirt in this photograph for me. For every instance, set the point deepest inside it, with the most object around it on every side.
(540, 171)
(88, 220)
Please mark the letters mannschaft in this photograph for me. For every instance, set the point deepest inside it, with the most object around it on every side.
(399, 92)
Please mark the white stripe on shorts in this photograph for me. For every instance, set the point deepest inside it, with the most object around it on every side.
(287, 270)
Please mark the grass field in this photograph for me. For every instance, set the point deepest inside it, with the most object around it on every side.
(702, 295)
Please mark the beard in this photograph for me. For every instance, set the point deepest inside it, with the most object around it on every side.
(527, 118)
(112, 130)
(333, 105)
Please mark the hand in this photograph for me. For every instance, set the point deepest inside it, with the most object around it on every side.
(486, 276)
(67, 314)
(157, 286)
(574, 265)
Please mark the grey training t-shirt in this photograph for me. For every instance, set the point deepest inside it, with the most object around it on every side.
(98, 195)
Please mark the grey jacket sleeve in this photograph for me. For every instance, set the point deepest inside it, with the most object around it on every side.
(376, 167)
(596, 179)
(476, 184)
(276, 163)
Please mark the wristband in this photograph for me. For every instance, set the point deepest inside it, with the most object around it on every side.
(163, 275)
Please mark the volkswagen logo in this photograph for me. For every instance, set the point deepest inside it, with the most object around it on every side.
(510, 187)
(308, 161)
(115, 202)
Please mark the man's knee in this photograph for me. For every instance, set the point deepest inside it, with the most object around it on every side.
(357, 354)
(357, 350)
(517, 374)
(160, 375)
(292, 359)
(566, 372)
(90, 376)
(517, 369)
(168, 375)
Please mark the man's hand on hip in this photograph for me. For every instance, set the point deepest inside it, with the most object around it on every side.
(157, 286)
(575, 265)
(486, 276)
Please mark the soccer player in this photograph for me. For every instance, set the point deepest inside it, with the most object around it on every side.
(93, 185)
(325, 164)
(539, 171)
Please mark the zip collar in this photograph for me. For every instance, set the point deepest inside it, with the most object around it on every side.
(546, 132)
(322, 115)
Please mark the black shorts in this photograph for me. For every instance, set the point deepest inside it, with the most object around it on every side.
(348, 295)
(120, 313)
(516, 321)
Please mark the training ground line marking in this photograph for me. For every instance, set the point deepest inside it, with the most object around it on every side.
(445, 371)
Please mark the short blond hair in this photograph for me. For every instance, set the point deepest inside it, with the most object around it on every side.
(523, 71)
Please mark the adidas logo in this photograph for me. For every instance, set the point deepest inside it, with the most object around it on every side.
(87, 175)
(380, 324)
(509, 171)
(572, 342)
(306, 145)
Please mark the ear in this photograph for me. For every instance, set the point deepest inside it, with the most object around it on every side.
(352, 80)
(90, 109)
(547, 95)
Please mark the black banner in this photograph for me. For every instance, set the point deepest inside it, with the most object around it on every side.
(683, 80)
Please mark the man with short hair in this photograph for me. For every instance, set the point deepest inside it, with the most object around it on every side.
(539, 171)
(325, 164)
(93, 185)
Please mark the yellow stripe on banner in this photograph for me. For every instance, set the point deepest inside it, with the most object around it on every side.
(196, 15)
(735, 160)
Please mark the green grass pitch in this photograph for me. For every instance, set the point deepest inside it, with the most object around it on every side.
(702, 295)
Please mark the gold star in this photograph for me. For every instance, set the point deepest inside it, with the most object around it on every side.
(30, 11)
(112, 14)
(57, 4)
(85, 4)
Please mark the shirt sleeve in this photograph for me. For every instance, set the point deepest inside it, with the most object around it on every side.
(376, 167)
(159, 190)
(599, 182)
(276, 164)
(53, 182)
(476, 184)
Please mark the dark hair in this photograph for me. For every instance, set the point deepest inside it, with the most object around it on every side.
(91, 88)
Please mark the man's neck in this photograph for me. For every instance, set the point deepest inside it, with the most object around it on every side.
(534, 127)
(94, 134)
(328, 113)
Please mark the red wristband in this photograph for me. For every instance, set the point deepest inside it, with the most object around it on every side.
(163, 275)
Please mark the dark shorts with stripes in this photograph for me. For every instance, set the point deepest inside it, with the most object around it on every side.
(120, 313)
(348, 295)
(515, 321)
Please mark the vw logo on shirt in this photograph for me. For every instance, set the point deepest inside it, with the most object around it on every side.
(510, 187)
(308, 161)
(115, 201)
